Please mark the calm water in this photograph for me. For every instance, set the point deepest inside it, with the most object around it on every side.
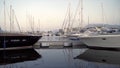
(61, 58)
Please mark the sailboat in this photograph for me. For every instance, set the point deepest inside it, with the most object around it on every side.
(13, 40)
(71, 32)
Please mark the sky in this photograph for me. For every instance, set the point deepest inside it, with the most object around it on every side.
(50, 14)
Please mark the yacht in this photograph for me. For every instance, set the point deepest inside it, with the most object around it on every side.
(101, 39)
(12, 41)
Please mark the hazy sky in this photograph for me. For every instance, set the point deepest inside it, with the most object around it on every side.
(51, 13)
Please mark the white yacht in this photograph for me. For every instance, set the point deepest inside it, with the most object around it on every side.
(101, 39)
(109, 41)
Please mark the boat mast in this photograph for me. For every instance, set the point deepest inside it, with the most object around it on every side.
(81, 13)
(10, 18)
(4, 15)
(88, 22)
(64, 22)
(4, 42)
(39, 25)
(80, 20)
(69, 15)
(103, 17)
(33, 25)
(64, 25)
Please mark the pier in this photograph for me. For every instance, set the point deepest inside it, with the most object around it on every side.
(58, 42)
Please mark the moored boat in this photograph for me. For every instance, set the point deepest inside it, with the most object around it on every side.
(105, 41)
(12, 41)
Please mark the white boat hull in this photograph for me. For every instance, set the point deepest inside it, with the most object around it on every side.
(110, 41)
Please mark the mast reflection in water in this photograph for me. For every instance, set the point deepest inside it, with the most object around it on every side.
(15, 56)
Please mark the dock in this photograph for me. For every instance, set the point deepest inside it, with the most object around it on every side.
(57, 42)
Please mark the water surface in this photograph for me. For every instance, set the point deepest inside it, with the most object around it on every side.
(66, 58)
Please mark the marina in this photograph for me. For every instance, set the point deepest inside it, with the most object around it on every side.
(57, 57)
(59, 34)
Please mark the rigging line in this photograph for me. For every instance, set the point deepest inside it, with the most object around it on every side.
(75, 15)
(17, 21)
(30, 22)
(64, 22)
(13, 17)
(9, 15)
(69, 15)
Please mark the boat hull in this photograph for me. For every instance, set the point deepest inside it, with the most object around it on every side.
(105, 41)
(17, 42)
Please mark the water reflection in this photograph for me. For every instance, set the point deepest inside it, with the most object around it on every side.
(60, 58)
(15, 56)
(102, 56)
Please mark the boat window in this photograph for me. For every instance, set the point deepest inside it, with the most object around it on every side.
(103, 38)
(24, 40)
(15, 40)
